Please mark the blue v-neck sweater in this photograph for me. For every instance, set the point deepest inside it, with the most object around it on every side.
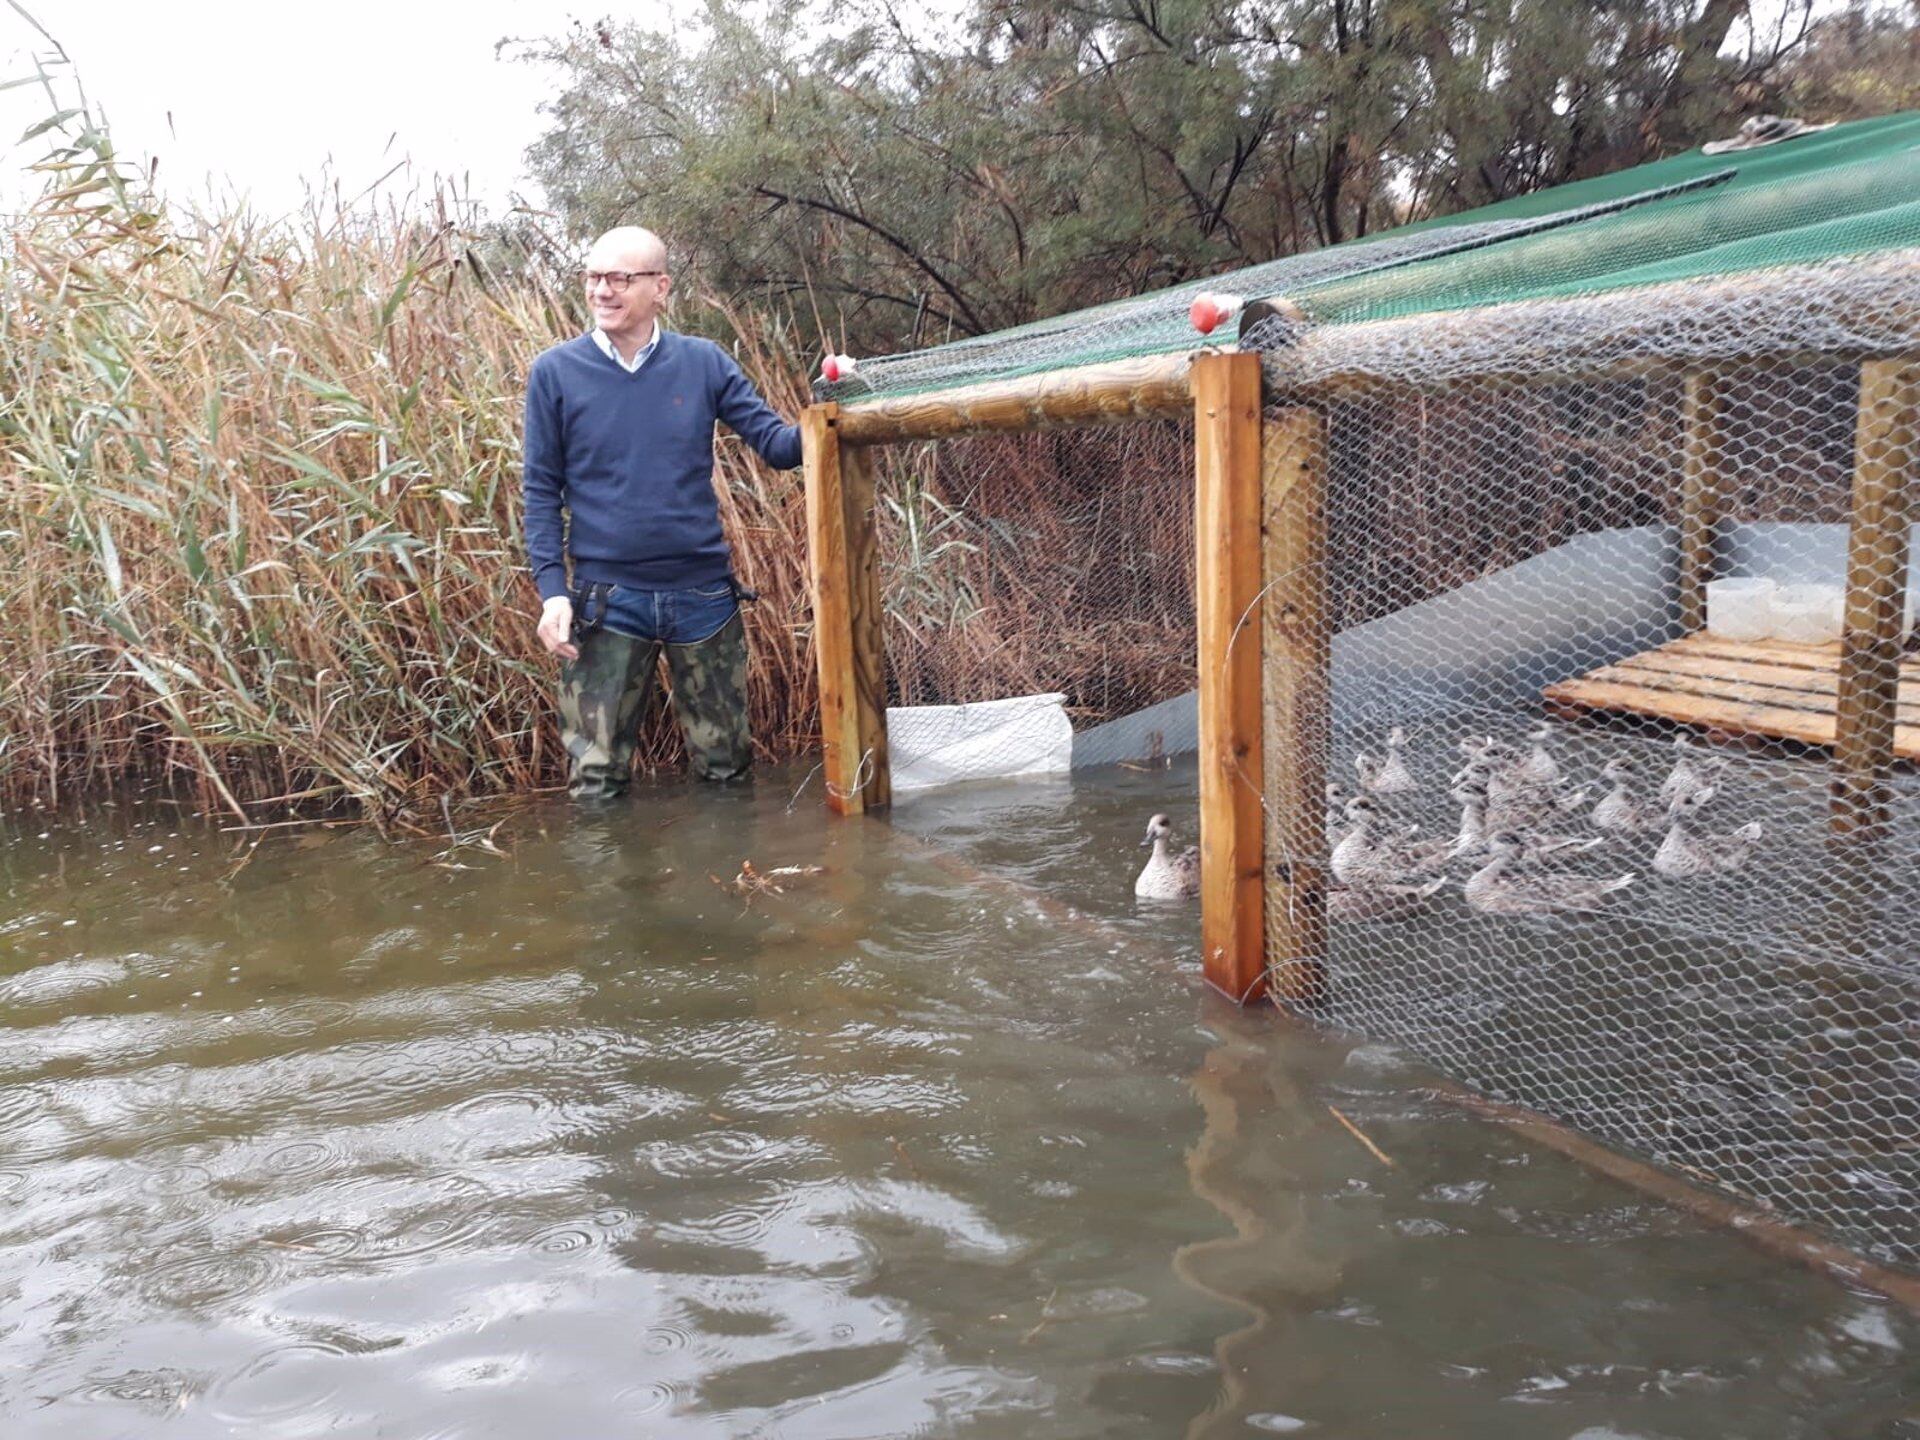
(630, 458)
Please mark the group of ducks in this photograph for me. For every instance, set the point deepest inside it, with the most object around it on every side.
(1514, 801)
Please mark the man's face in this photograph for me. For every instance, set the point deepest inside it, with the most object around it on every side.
(629, 313)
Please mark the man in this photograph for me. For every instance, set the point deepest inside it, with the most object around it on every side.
(619, 433)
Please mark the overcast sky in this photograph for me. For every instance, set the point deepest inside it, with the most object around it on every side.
(268, 96)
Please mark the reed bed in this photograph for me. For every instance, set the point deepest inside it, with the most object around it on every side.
(260, 522)
(260, 532)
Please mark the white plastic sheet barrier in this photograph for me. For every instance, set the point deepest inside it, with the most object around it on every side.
(988, 740)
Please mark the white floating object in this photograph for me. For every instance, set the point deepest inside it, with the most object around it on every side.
(1808, 614)
(1740, 608)
(1024, 735)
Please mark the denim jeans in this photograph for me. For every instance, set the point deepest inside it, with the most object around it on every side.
(671, 617)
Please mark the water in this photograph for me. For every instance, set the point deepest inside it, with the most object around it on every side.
(333, 1140)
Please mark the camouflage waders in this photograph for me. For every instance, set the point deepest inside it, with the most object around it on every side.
(610, 691)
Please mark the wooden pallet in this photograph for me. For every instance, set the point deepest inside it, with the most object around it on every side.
(1758, 687)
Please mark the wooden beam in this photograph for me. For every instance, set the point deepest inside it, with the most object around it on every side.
(1886, 457)
(1701, 492)
(839, 558)
(1759, 1227)
(1227, 463)
(1153, 385)
(1297, 658)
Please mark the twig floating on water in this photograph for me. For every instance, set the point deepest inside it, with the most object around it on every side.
(1355, 1131)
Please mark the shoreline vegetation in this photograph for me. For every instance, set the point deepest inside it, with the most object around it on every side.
(260, 521)
(260, 541)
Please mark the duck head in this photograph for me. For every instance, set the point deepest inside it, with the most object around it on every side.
(1361, 810)
(1158, 828)
(1691, 802)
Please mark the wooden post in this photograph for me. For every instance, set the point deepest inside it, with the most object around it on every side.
(1886, 458)
(846, 628)
(1701, 495)
(1297, 656)
(869, 636)
(1226, 404)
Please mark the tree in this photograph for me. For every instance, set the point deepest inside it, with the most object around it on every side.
(911, 184)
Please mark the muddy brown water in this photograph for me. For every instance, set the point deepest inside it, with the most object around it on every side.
(578, 1144)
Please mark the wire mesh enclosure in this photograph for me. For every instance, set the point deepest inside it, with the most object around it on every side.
(1059, 561)
(1613, 821)
(1534, 587)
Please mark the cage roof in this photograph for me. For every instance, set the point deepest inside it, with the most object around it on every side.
(1846, 190)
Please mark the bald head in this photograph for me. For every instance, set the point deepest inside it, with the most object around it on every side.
(627, 311)
(628, 247)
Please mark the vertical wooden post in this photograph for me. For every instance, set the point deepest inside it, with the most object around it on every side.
(1226, 404)
(864, 616)
(1297, 655)
(1701, 495)
(1886, 460)
(846, 614)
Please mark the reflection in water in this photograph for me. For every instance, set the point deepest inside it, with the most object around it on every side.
(581, 1143)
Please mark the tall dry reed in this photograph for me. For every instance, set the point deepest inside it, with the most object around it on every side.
(260, 522)
(260, 531)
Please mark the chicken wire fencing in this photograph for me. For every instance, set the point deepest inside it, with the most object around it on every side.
(1044, 582)
(1577, 829)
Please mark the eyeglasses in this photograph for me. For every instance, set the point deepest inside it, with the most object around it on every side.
(616, 280)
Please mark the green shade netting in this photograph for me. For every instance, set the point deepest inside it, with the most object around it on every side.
(1851, 190)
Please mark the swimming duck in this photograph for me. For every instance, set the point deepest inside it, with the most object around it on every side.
(1336, 819)
(1502, 769)
(1537, 767)
(1368, 854)
(1513, 806)
(1690, 771)
(1688, 852)
(1620, 809)
(1495, 889)
(1379, 902)
(1472, 747)
(1480, 817)
(1167, 877)
(1389, 776)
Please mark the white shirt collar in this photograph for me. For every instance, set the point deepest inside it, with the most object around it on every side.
(612, 351)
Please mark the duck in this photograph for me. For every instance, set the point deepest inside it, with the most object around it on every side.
(1620, 809)
(1472, 747)
(1688, 852)
(1380, 902)
(1391, 775)
(1497, 890)
(1480, 817)
(1517, 807)
(1501, 768)
(1690, 772)
(1336, 818)
(1167, 877)
(1369, 855)
(1538, 767)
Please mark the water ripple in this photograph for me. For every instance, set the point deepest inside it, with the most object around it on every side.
(206, 1276)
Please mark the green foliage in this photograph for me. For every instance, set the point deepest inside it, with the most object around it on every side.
(913, 182)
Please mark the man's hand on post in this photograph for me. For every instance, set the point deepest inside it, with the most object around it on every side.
(556, 628)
